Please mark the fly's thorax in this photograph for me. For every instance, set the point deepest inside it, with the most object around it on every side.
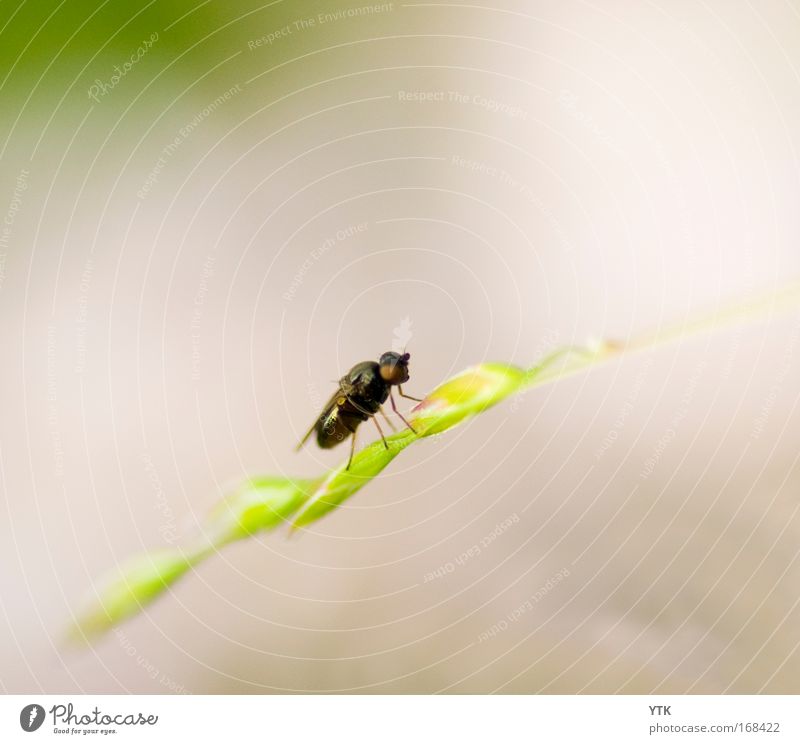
(363, 373)
(364, 387)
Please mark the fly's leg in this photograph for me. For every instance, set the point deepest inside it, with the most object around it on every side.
(410, 397)
(387, 419)
(394, 408)
(352, 443)
(380, 431)
(352, 450)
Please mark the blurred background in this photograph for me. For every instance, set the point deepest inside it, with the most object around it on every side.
(211, 210)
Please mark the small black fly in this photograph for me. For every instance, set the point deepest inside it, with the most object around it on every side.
(361, 393)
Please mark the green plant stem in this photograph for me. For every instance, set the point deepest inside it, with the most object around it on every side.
(264, 503)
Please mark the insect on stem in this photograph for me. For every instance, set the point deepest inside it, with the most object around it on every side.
(359, 397)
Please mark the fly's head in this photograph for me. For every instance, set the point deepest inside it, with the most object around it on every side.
(394, 367)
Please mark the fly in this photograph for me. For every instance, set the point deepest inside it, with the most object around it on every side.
(361, 393)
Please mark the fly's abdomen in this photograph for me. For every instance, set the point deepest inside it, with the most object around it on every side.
(336, 427)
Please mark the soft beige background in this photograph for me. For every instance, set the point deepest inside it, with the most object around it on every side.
(642, 166)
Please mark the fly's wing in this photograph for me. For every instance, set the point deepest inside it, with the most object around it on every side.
(326, 418)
